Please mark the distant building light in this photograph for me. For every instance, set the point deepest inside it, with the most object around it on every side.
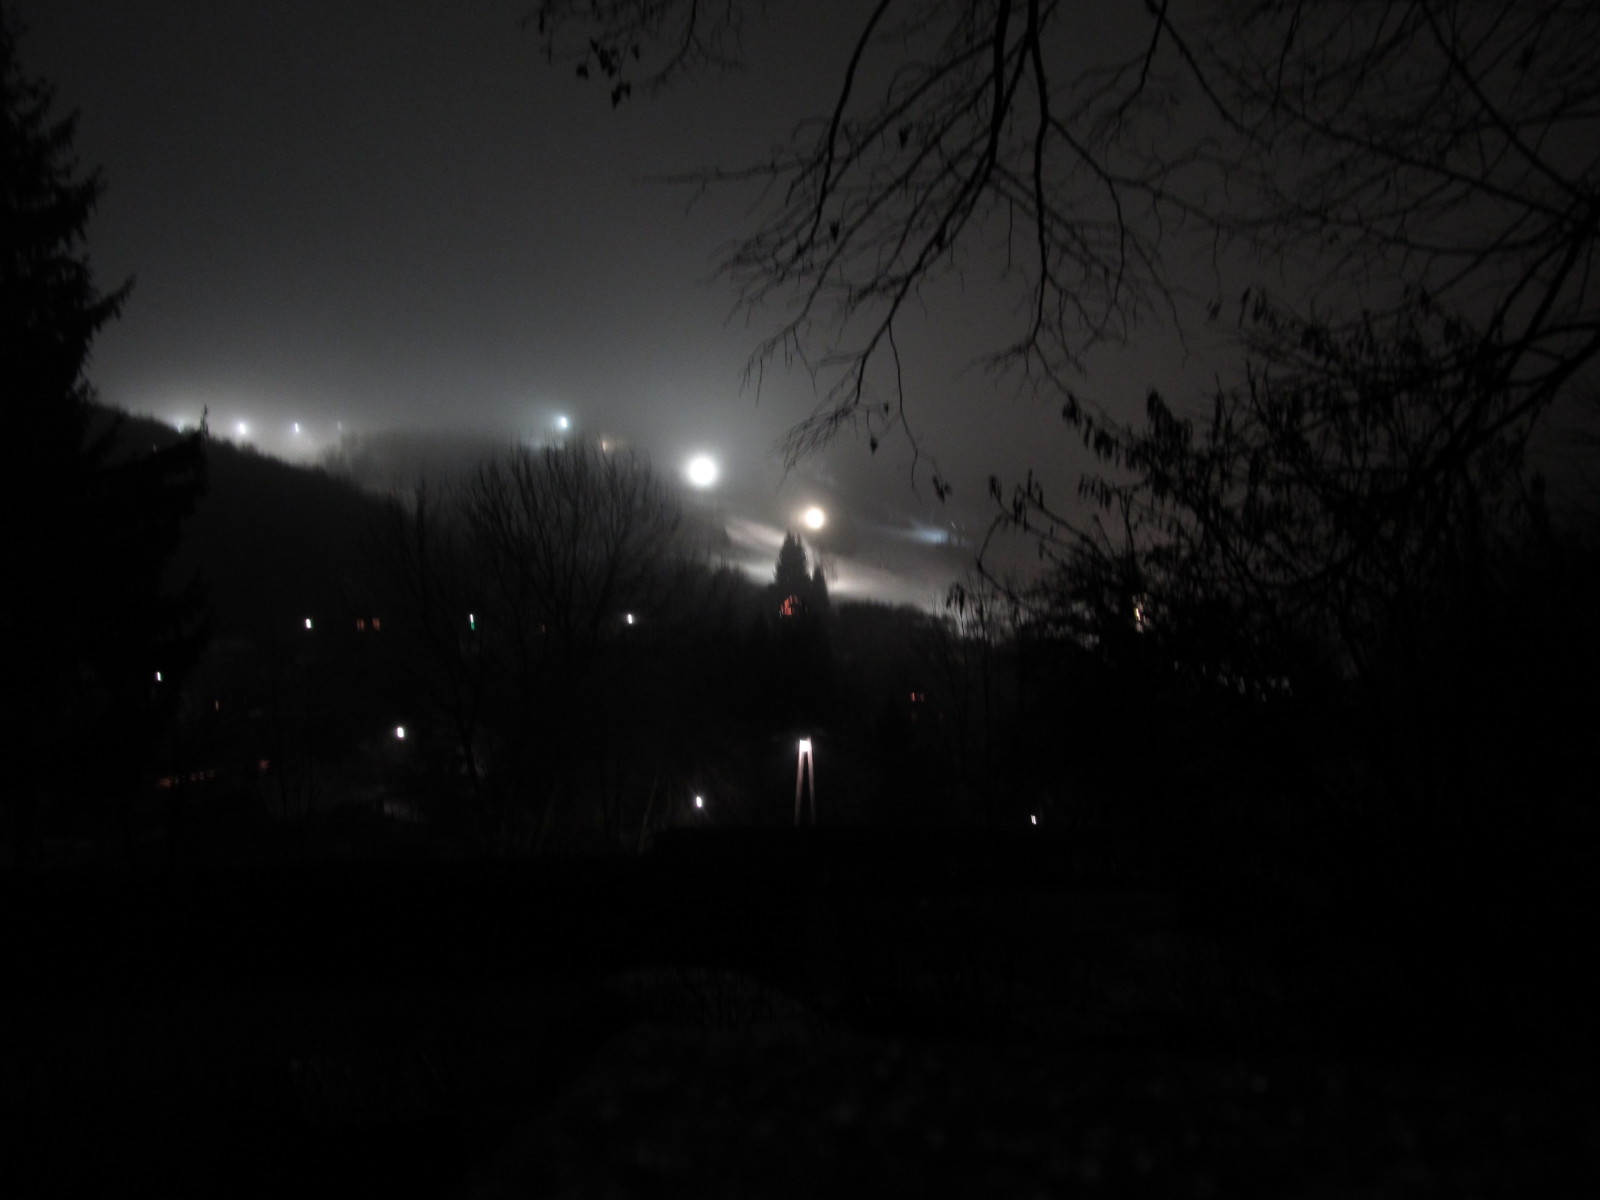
(1033, 819)
(158, 676)
(361, 624)
(400, 733)
(628, 617)
(699, 801)
(308, 622)
(377, 624)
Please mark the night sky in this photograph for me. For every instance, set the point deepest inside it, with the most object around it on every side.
(396, 215)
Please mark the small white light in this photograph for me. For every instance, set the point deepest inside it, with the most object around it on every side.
(400, 732)
(158, 676)
(629, 618)
(472, 620)
(699, 801)
(1033, 820)
(297, 428)
(814, 518)
(805, 745)
(243, 428)
(308, 622)
(563, 423)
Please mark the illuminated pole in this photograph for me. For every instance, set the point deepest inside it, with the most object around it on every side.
(805, 775)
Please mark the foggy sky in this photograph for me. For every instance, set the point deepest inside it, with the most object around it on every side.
(394, 214)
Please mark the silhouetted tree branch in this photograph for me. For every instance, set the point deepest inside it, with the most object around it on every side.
(1420, 179)
(1375, 154)
(950, 141)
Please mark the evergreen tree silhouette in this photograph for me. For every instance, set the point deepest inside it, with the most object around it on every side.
(791, 579)
(90, 524)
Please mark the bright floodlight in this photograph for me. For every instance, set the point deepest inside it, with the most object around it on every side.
(814, 517)
(702, 470)
(563, 424)
(805, 745)
(243, 428)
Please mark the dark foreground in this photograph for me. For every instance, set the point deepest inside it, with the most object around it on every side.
(748, 1015)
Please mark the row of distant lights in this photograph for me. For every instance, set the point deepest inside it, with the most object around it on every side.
(243, 429)
(699, 800)
(702, 470)
(377, 624)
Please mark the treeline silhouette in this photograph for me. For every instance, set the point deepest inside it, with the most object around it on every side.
(539, 713)
(542, 713)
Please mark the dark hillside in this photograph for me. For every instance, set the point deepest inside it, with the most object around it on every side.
(270, 541)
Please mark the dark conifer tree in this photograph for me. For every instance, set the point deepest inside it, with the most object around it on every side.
(791, 579)
(89, 525)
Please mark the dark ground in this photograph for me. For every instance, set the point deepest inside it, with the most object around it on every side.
(748, 1015)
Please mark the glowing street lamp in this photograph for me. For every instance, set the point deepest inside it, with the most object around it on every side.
(701, 470)
(814, 518)
(805, 775)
